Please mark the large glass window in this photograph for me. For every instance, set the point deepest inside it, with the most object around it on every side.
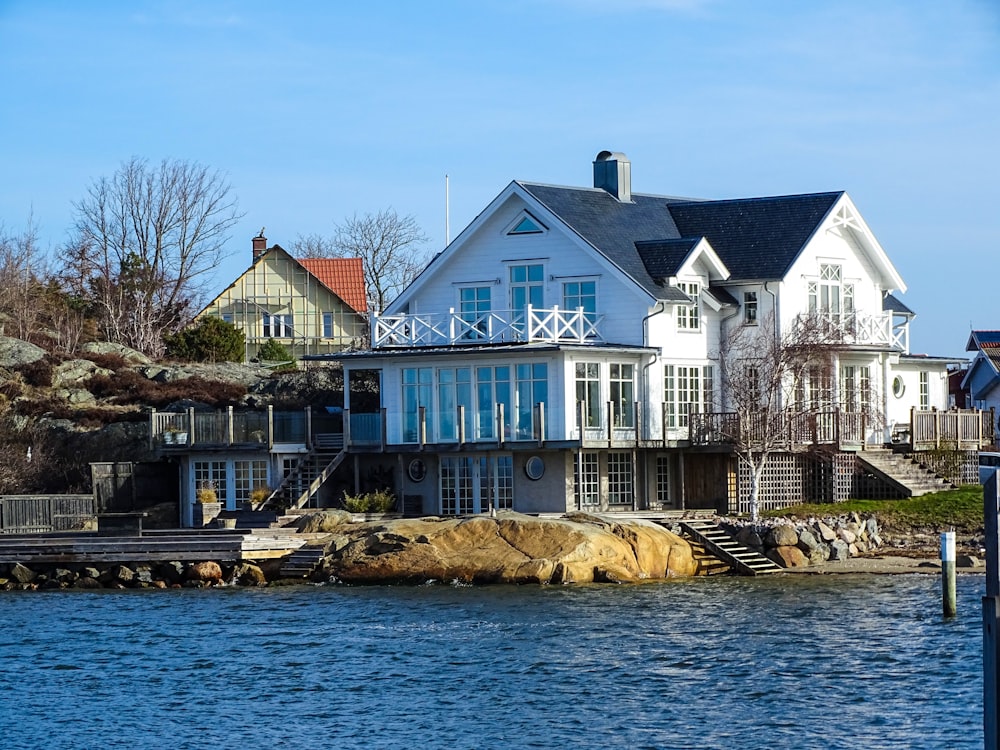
(623, 394)
(686, 390)
(418, 388)
(454, 390)
(689, 316)
(493, 390)
(588, 393)
(532, 388)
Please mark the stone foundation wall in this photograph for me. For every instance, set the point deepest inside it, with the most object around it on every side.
(164, 575)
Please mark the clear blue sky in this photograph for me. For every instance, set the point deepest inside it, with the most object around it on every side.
(317, 110)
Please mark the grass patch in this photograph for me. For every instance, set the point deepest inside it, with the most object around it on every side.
(961, 508)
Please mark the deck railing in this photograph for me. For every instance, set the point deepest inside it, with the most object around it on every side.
(496, 326)
(960, 429)
(175, 430)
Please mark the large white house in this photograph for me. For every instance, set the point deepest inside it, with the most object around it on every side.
(556, 355)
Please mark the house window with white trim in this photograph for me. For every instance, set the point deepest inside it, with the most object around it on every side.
(620, 479)
(750, 308)
(211, 475)
(689, 316)
(473, 306)
(496, 483)
(526, 286)
(580, 294)
(278, 326)
(663, 480)
(855, 388)
(925, 390)
(587, 481)
(623, 395)
(686, 390)
(248, 476)
(588, 393)
(456, 485)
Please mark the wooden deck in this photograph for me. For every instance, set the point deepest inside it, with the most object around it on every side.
(225, 545)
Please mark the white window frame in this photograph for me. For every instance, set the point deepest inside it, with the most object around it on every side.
(689, 316)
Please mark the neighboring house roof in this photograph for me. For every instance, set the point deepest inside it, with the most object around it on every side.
(756, 238)
(892, 303)
(345, 277)
(987, 343)
(982, 339)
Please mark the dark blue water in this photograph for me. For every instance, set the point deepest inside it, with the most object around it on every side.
(784, 662)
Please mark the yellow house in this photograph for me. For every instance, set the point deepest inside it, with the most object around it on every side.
(308, 305)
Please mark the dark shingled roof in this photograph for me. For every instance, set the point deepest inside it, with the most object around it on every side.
(613, 227)
(662, 258)
(756, 238)
(892, 303)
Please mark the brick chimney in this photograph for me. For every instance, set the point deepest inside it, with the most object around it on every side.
(259, 245)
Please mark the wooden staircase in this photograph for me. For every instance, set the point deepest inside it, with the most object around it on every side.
(302, 483)
(303, 561)
(740, 559)
(902, 472)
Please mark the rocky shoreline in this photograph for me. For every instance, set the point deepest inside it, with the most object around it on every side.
(510, 548)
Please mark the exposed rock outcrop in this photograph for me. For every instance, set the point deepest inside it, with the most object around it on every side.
(511, 548)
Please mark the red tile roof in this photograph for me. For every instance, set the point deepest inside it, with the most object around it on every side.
(345, 277)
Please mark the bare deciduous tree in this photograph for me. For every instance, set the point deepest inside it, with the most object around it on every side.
(389, 245)
(22, 265)
(780, 389)
(145, 241)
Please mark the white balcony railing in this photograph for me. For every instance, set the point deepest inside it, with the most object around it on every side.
(497, 326)
(857, 329)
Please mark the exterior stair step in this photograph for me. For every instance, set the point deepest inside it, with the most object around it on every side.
(716, 541)
(303, 561)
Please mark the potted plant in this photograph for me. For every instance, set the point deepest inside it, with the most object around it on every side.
(206, 506)
(258, 495)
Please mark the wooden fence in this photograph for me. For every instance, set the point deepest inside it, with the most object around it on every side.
(32, 514)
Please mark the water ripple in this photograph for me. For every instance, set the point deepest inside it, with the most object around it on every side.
(803, 662)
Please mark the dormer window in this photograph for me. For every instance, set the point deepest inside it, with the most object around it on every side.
(526, 224)
(689, 317)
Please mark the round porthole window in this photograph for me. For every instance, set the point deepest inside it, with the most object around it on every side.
(534, 468)
(417, 470)
(898, 387)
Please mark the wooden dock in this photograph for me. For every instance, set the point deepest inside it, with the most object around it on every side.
(183, 545)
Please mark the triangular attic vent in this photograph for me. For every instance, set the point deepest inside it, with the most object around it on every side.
(527, 225)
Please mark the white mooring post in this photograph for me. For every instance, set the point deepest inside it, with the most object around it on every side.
(991, 613)
(948, 597)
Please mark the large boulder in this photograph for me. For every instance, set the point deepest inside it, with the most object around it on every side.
(511, 548)
(14, 352)
(75, 371)
(120, 350)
